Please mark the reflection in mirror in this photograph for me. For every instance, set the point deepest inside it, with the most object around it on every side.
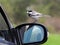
(33, 34)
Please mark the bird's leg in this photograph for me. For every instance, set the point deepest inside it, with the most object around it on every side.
(35, 21)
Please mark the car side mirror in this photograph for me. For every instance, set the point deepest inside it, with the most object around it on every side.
(32, 33)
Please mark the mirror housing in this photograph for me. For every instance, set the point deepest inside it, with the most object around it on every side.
(28, 33)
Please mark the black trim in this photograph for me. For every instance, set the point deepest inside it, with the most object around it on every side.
(45, 32)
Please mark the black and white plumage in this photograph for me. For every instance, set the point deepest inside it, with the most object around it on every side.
(33, 14)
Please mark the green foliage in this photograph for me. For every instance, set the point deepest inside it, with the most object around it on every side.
(45, 9)
(54, 39)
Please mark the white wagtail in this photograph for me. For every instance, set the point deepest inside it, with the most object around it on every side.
(33, 14)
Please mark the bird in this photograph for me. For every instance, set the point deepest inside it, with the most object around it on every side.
(33, 14)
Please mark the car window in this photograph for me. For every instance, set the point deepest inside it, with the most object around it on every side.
(3, 25)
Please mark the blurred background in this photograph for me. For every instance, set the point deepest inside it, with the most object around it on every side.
(16, 11)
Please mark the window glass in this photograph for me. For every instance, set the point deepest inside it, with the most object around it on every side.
(3, 25)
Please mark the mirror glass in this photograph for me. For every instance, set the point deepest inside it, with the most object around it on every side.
(32, 33)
